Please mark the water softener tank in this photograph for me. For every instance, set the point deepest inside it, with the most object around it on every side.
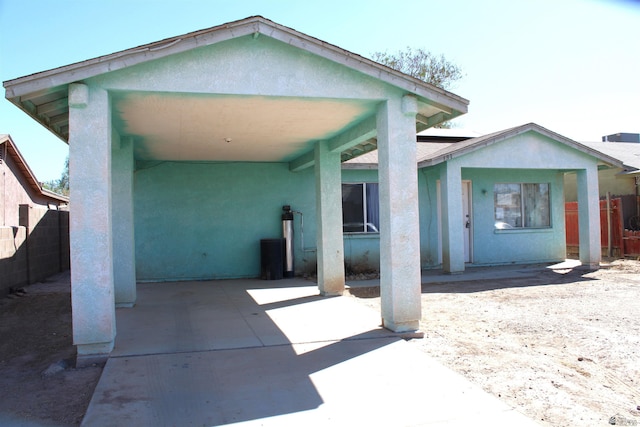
(287, 234)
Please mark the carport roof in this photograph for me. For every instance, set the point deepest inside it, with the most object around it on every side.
(44, 95)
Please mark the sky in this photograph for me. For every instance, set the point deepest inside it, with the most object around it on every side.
(572, 66)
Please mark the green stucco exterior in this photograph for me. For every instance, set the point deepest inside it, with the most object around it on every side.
(490, 246)
(205, 221)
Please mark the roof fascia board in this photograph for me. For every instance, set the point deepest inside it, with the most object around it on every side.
(22, 165)
(439, 98)
(518, 131)
(13, 151)
(435, 96)
(67, 74)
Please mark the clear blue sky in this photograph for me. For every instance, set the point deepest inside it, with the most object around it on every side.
(572, 66)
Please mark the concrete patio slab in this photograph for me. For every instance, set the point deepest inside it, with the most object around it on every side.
(246, 352)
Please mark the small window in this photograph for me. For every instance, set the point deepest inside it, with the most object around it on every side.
(360, 212)
(521, 206)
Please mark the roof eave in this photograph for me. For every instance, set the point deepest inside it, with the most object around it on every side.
(22, 164)
(58, 79)
(509, 133)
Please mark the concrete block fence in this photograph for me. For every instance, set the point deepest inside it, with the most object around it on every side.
(34, 250)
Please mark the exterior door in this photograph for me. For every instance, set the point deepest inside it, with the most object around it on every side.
(467, 222)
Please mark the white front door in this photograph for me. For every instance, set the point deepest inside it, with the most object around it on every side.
(467, 222)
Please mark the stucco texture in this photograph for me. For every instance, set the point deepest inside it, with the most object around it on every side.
(525, 158)
(205, 221)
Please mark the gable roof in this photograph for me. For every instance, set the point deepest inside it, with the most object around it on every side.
(474, 144)
(8, 146)
(44, 95)
(430, 153)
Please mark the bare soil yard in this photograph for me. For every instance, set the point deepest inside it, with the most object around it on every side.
(562, 348)
(38, 383)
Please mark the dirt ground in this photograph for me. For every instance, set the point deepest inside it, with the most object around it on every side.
(38, 384)
(562, 348)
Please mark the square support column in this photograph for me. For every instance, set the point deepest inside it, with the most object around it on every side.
(589, 217)
(124, 271)
(452, 233)
(330, 244)
(92, 292)
(400, 287)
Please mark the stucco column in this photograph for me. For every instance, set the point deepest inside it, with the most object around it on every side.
(329, 213)
(589, 217)
(92, 293)
(124, 268)
(452, 233)
(400, 286)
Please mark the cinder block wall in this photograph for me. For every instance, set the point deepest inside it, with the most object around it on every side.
(13, 258)
(35, 250)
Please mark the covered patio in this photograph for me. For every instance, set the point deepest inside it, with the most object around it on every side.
(179, 147)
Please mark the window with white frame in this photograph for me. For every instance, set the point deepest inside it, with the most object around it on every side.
(360, 212)
(521, 205)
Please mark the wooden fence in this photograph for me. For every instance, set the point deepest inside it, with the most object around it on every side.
(623, 242)
(631, 243)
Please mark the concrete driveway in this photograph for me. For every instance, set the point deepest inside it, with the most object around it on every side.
(274, 353)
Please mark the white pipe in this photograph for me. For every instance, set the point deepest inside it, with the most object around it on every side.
(302, 233)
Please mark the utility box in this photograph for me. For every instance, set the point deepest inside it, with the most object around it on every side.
(271, 259)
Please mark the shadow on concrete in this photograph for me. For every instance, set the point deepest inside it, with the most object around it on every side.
(214, 353)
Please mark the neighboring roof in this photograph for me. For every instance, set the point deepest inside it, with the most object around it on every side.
(433, 153)
(449, 133)
(44, 95)
(26, 171)
(471, 145)
(627, 152)
(370, 160)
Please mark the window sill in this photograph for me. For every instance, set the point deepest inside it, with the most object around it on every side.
(524, 230)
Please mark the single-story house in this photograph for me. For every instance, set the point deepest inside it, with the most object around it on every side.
(33, 229)
(19, 185)
(494, 199)
(184, 151)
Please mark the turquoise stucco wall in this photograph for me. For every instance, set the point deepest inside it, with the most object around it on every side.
(213, 229)
(490, 246)
(205, 220)
(247, 66)
(428, 202)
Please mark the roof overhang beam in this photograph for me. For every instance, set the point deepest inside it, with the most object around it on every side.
(356, 135)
